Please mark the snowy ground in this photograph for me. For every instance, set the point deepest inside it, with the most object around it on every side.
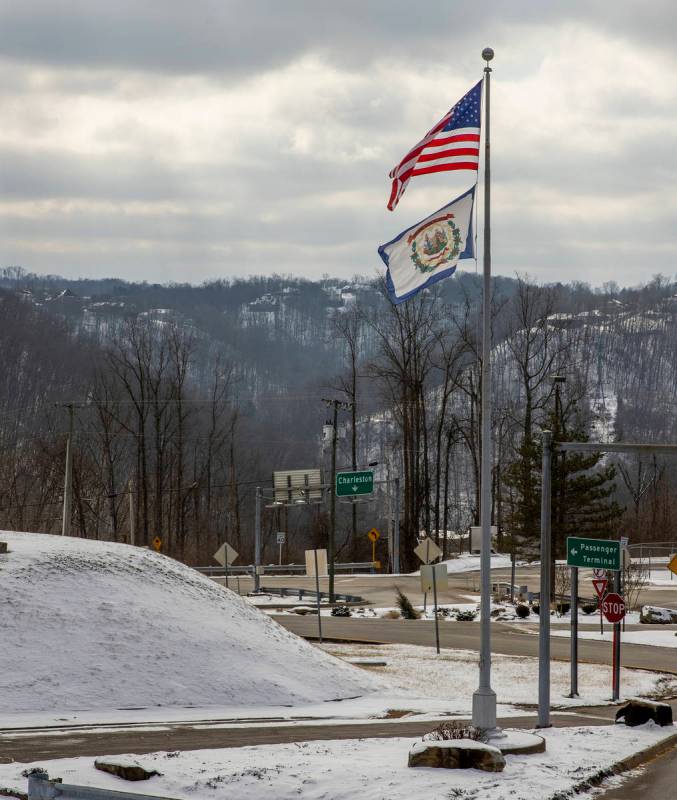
(453, 675)
(371, 769)
(663, 578)
(471, 563)
(97, 625)
(448, 612)
(656, 638)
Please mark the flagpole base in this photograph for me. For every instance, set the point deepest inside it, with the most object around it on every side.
(484, 709)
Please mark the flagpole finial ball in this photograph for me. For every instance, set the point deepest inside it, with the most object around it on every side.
(487, 54)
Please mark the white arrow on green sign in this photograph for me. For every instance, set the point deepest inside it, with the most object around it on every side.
(351, 484)
(593, 553)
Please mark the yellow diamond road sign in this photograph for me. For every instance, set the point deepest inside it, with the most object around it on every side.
(672, 564)
(373, 534)
(157, 543)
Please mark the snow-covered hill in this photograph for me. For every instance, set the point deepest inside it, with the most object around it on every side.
(97, 625)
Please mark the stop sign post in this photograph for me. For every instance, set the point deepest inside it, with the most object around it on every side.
(613, 608)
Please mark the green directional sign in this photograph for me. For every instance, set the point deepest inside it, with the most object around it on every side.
(593, 553)
(351, 484)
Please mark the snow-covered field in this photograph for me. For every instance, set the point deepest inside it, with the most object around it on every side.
(453, 675)
(663, 578)
(653, 637)
(471, 563)
(369, 769)
(98, 625)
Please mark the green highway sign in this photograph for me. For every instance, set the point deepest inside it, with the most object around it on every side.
(351, 484)
(593, 553)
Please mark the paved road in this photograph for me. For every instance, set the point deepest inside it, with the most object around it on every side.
(27, 747)
(506, 639)
(657, 780)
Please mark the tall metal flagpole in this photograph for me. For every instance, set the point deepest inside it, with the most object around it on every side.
(484, 699)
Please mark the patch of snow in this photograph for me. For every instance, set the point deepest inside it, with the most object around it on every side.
(651, 637)
(100, 625)
(471, 563)
(461, 744)
(454, 675)
(663, 578)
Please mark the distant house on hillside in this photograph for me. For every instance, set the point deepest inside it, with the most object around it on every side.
(64, 295)
(260, 312)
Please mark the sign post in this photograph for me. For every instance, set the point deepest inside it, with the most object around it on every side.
(316, 563)
(225, 556)
(435, 576)
(613, 607)
(428, 551)
(573, 615)
(600, 575)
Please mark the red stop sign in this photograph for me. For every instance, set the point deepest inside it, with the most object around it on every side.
(613, 607)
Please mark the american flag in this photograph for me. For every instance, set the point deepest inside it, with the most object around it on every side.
(454, 143)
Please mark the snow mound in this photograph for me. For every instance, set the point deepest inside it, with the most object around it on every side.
(97, 625)
(471, 563)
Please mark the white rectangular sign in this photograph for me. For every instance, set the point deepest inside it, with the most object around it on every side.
(321, 563)
(441, 578)
(225, 555)
(281, 537)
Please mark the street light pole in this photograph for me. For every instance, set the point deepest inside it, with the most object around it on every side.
(544, 599)
(560, 466)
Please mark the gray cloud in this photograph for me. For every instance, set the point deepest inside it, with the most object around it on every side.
(240, 36)
(183, 141)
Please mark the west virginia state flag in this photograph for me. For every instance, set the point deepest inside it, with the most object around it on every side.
(429, 250)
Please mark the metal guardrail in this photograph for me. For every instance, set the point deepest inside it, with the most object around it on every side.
(287, 592)
(40, 787)
(283, 569)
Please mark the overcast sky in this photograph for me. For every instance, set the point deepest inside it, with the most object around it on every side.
(175, 140)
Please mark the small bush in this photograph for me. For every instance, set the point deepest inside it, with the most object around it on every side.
(454, 730)
(536, 609)
(522, 611)
(340, 611)
(467, 615)
(563, 608)
(406, 609)
(392, 614)
(589, 608)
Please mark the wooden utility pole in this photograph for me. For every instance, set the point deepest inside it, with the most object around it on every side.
(132, 520)
(68, 480)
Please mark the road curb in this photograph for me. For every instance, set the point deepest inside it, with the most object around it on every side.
(624, 765)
